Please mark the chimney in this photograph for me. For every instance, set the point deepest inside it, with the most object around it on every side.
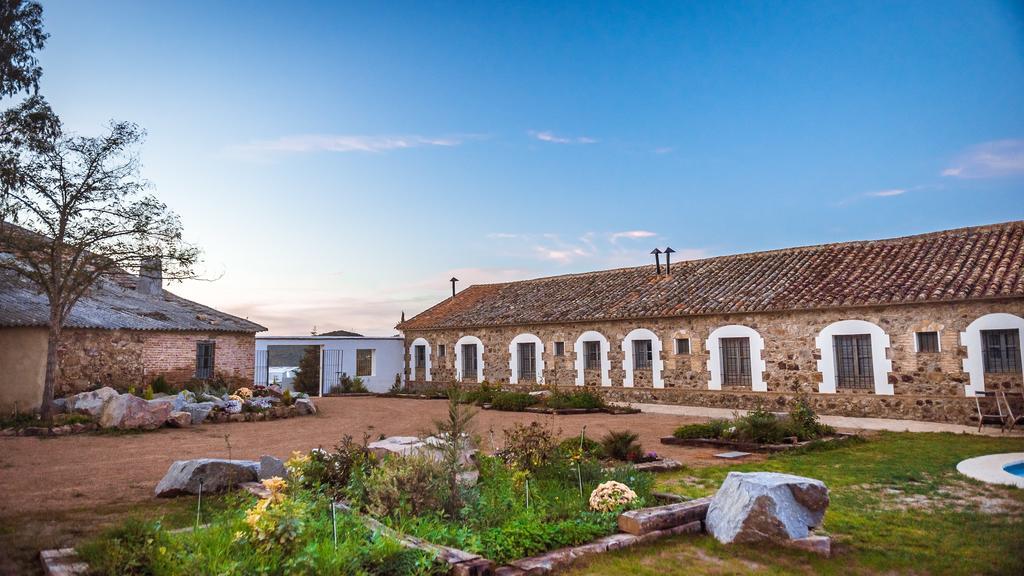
(657, 259)
(151, 277)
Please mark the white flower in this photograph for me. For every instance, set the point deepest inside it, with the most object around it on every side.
(610, 496)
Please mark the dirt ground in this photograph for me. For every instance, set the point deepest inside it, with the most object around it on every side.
(53, 490)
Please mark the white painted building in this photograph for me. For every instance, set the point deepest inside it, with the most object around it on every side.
(375, 360)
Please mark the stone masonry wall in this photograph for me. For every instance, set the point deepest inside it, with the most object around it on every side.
(125, 358)
(927, 386)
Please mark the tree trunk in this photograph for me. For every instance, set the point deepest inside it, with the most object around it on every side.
(52, 343)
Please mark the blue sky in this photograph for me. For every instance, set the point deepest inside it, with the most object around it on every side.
(339, 162)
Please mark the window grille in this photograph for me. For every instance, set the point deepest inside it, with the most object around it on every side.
(469, 367)
(559, 348)
(927, 341)
(592, 355)
(204, 360)
(1002, 351)
(364, 362)
(643, 354)
(735, 361)
(421, 356)
(527, 361)
(682, 345)
(854, 367)
(440, 351)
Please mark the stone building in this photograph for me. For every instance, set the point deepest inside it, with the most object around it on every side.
(125, 332)
(901, 328)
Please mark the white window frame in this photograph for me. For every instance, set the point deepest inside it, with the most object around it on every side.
(513, 352)
(881, 366)
(479, 357)
(974, 364)
(373, 362)
(938, 341)
(412, 359)
(714, 348)
(657, 365)
(581, 361)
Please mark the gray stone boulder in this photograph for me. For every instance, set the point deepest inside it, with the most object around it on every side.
(305, 406)
(216, 475)
(766, 506)
(129, 412)
(204, 397)
(179, 419)
(271, 467)
(199, 411)
(60, 405)
(90, 403)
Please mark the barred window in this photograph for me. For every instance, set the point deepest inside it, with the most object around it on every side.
(469, 367)
(364, 361)
(421, 356)
(682, 345)
(927, 341)
(854, 366)
(440, 351)
(643, 354)
(204, 360)
(559, 348)
(1002, 351)
(527, 361)
(735, 361)
(592, 355)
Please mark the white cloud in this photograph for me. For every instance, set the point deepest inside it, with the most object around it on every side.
(589, 251)
(548, 136)
(304, 143)
(887, 193)
(632, 235)
(995, 159)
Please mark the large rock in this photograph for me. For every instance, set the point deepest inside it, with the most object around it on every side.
(91, 403)
(271, 467)
(305, 406)
(216, 475)
(199, 411)
(759, 506)
(179, 419)
(129, 412)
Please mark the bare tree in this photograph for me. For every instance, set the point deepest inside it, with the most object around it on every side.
(79, 212)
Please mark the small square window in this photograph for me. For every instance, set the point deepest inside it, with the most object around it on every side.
(682, 345)
(559, 348)
(440, 351)
(364, 363)
(927, 341)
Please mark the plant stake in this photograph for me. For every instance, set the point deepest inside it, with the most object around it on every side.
(579, 472)
(199, 503)
(334, 523)
(527, 493)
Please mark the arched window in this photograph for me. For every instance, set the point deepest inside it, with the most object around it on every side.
(853, 357)
(419, 357)
(993, 346)
(469, 359)
(735, 358)
(526, 359)
(641, 350)
(592, 354)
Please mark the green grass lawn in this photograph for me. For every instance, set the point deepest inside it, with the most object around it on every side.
(898, 507)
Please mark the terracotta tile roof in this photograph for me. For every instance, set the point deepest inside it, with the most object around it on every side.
(968, 263)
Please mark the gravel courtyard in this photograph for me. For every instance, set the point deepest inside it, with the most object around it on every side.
(54, 490)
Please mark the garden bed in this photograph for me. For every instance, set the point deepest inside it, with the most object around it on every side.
(758, 431)
(749, 446)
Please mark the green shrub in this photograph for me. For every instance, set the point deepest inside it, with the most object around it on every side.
(512, 401)
(713, 429)
(331, 472)
(528, 447)
(287, 399)
(622, 446)
(160, 385)
(585, 399)
(404, 486)
(591, 448)
(761, 426)
(131, 548)
(803, 422)
(484, 394)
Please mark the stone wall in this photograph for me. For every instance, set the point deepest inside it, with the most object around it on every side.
(927, 386)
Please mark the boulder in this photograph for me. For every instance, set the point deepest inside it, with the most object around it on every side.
(305, 406)
(60, 405)
(91, 403)
(198, 410)
(204, 397)
(179, 419)
(766, 506)
(129, 412)
(271, 467)
(217, 475)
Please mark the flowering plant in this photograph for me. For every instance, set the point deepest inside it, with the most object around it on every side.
(296, 465)
(243, 393)
(275, 521)
(610, 496)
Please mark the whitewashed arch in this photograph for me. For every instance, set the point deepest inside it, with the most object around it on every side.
(412, 358)
(974, 364)
(656, 363)
(606, 363)
(757, 365)
(879, 364)
(479, 357)
(513, 353)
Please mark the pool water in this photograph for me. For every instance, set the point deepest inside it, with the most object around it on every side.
(1016, 469)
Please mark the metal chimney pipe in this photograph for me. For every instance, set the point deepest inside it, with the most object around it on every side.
(657, 259)
(668, 259)
(453, 281)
